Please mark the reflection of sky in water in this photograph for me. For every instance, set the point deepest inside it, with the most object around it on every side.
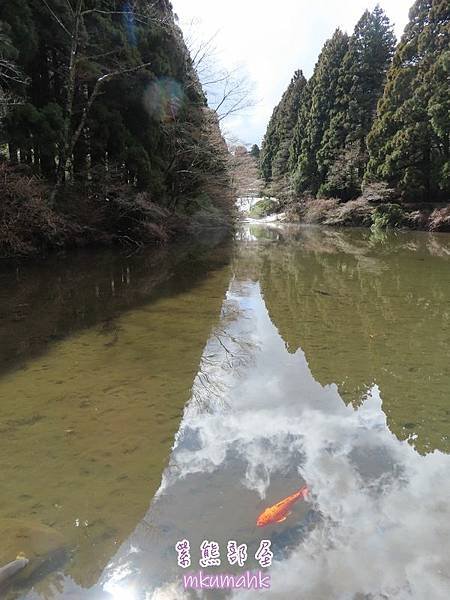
(378, 523)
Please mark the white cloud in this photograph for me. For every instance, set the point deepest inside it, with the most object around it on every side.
(273, 39)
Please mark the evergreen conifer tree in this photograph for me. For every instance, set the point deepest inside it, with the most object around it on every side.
(409, 142)
(315, 114)
(275, 147)
(360, 85)
(255, 152)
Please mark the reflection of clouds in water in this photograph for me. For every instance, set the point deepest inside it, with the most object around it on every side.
(378, 524)
(263, 421)
(170, 591)
(116, 584)
(394, 544)
(385, 543)
(385, 526)
(220, 437)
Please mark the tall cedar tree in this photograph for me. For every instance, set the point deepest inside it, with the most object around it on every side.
(275, 147)
(342, 157)
(409, 142)
(255, 152)
(319, 103)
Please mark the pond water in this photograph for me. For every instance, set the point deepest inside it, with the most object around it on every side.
(173, 395)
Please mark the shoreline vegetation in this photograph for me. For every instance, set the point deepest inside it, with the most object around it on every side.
(361, 212)
(31, 225)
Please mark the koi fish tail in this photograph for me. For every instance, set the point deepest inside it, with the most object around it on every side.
(303, 492)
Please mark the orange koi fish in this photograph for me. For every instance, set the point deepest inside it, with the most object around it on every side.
(280, 511)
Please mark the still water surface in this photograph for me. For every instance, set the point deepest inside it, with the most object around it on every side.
(150, 398)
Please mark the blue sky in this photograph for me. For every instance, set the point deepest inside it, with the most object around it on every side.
(269, 40)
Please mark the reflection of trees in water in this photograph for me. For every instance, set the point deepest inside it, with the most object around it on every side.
(228, 353)
(367, 310)
(102, 433)
(43, 303)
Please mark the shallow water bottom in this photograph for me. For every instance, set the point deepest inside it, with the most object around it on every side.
(198, 389)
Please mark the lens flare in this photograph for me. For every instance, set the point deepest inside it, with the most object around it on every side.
(163, 99)
(129, 23)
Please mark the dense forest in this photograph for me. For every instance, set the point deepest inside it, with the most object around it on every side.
(105, 133)
(373, 119)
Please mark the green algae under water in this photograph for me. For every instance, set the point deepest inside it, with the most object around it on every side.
(100, 353)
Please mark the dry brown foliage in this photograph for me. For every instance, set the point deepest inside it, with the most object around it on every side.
(27, 223)
(440, 219)
(30, 224)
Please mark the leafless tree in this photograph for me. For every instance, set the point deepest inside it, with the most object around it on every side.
(10, 77)
(193, 149)
(227, 352)
(244, 172)
(232, 95)
(229, 91)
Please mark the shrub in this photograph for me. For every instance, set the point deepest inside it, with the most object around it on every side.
(314, 210)
(27, 223)
(388, 215)
(355, 213)
(378, 192)
(440, 219)
(262, 208)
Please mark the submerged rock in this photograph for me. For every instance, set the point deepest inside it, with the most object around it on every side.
(40, 545)
(9, 570)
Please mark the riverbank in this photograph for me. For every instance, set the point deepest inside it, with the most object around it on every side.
(364, 213)
(30, 224)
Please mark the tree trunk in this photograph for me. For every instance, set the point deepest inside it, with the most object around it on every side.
(12, 152)
(64, 154)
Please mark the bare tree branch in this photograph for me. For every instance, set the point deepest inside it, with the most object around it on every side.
(95, 92)
(9, 74)
(57, 19)
(228, 90)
